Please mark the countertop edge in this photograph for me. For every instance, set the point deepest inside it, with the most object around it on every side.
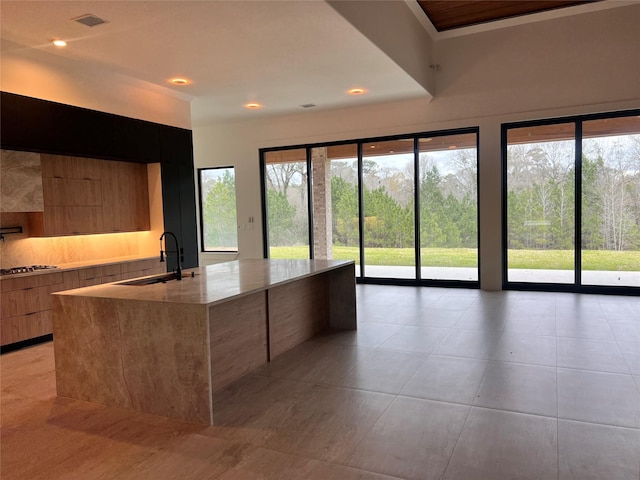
(65, 267)
(98, 291)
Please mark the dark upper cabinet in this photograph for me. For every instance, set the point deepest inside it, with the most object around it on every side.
(26, 123)
(82, 132)
(9, 129)
(49, 127)
(136, 140)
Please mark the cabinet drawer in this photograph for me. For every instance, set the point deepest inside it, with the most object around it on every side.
(99, 271)
(100, 280)
(142, 265)
(8, 284)
(26, 301)
(24, 327)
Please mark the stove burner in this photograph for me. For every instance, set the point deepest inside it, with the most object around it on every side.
(25, 269)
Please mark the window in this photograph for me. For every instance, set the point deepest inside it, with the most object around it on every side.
(218, 219)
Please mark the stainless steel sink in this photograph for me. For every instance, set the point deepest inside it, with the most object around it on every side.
(164, 278)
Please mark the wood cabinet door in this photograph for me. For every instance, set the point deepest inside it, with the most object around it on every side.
(72, 192)
(83, 196)
(73, 220)
(133, 197)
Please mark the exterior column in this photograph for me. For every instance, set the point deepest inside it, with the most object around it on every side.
(322, 226)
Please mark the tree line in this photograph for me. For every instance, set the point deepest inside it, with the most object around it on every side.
(448, 213)
(541, 203)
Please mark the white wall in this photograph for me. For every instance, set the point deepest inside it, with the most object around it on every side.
(573, 65)
(48, 77)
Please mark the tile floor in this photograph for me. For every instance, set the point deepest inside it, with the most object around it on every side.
(435, 384)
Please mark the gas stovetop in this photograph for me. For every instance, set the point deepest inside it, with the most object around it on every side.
(25, 269)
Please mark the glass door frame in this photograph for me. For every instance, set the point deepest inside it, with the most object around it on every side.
(362, 278)
(577, 285)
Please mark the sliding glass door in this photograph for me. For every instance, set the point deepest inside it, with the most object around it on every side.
(611, 202)
(403, 208)
(448, 203)
(287, 201)
(540, 177)
(572, 203)
(388, 199)
(342, 229)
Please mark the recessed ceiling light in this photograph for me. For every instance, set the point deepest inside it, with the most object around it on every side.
(180, 81)
(253, 105)
(357, 91)
(59, 43)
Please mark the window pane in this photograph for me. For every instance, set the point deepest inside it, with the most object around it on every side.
(388, 188)
(287, 203)
(448, 207)
(343, 182)
(219, 220)
(540, 203)
(611, 202)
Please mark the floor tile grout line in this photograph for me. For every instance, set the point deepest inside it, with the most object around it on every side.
(624, 357)
(453, 450)
(369, 430)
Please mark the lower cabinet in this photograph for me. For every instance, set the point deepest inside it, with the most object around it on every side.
(25, 303)
(26, 306)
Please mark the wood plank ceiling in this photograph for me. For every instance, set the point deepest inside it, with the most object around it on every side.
(450, 14)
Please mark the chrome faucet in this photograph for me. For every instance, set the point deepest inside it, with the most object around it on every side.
(178, 251)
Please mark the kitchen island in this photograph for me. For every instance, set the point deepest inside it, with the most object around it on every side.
(167, 348)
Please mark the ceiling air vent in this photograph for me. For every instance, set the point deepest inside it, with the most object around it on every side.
(308, 105)
(89, 20)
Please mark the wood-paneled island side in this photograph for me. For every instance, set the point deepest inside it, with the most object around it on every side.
(167, 348)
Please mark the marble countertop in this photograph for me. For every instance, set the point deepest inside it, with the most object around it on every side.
(79, 265)
(214, 283)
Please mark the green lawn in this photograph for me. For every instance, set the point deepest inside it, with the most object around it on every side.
(466, 257)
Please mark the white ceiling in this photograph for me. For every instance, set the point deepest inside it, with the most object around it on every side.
(279, 53)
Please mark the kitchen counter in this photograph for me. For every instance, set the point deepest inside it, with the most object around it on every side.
(63, 267)
(215, 283)
(168, 348)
